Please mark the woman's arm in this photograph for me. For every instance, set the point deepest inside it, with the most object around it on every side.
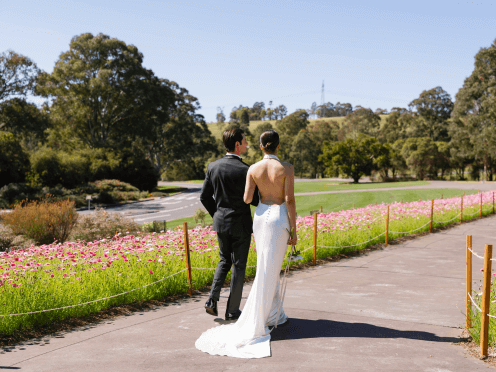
(290, 202)
(249, 188)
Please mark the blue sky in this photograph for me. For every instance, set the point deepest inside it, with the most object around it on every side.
(369, 53)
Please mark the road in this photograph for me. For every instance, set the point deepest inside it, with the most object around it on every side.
(169, 208)
(188, 202)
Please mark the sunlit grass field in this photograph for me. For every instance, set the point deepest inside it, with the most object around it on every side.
(314, 186)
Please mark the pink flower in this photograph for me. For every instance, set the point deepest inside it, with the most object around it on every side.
(151, 272)
(78, 278)
(482, 270)
(52, 276)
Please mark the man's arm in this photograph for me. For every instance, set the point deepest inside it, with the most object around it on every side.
(206, 196)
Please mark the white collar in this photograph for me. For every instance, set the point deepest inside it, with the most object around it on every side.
(269, 156)
(231, 153)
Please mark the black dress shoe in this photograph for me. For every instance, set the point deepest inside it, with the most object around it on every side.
(211, 307)
(233, 316)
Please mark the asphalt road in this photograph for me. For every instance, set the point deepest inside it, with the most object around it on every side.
(169, 208)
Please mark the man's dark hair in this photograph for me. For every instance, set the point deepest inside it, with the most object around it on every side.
(269, 140)
(230, 137)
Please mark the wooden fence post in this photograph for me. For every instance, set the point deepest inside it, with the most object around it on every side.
(461, 210)
(387, 226)
(481, 206)
(401, 200)
(432, 215)
(321, 209)
(493, 202)
(315, 238)
(469, 281)
(188, 262)
(353, 205)
(486, 296)
(441, 196)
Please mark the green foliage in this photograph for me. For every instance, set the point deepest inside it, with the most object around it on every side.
(473, 131)
(17, 73)
(182, 139)
(50, 168)
(434, 108)
(421, 155)
(20, 117)
(14, 161)
(360, 121)
(354, 158)
(44, 222)
(102, 89)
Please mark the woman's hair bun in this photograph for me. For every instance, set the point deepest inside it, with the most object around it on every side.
(269, 140)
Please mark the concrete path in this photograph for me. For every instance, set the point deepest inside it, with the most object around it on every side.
(396, 309)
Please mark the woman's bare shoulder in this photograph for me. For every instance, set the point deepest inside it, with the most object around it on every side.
(287, 166)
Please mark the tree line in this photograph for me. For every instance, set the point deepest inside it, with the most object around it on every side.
(107, 116)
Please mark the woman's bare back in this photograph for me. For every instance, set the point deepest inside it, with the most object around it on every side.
(275, 182)
(270, 177)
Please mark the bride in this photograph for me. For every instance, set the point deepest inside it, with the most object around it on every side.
(274, 217)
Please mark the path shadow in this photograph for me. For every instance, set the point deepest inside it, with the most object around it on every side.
(297, 329)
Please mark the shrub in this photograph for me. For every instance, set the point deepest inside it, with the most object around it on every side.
(51, 168)
(44, 222)
(112, 185)
(155, 226)
(105, 197)
(102, 224)
(14, 161)
(10, 240)
(16, 192)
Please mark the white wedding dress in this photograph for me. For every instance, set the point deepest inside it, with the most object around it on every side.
(249, 337)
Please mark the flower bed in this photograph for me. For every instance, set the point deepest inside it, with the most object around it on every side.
(67, 275)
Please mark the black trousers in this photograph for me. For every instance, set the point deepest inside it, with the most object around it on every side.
(233, 251)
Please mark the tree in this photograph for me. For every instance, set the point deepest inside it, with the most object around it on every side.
(343, 109)
(360, 121)
(185, 136)
(221, 118)
(474, 113)
(434, 108)
(17, 74)
(304, 154)
(394, 128)
(421, 155)
(352, 157)
(23, 119)
(313, 109)
(244, 116)
(14, 161)
(288, 128)
(398, 162)
(104, 92)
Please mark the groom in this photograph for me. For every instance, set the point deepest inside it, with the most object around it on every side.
(222, 196)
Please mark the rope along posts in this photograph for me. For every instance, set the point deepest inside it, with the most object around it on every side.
(469, 281)
(100, 299)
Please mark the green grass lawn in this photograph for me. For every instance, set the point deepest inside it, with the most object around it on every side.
(340, 185)
(340, 201)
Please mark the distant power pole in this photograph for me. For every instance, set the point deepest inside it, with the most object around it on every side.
(322, 101)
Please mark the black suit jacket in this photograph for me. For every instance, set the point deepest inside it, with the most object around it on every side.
(222, 195)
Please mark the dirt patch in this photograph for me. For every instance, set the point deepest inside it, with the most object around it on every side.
(473, 348)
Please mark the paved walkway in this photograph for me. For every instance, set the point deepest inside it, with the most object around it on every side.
(395, 309)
